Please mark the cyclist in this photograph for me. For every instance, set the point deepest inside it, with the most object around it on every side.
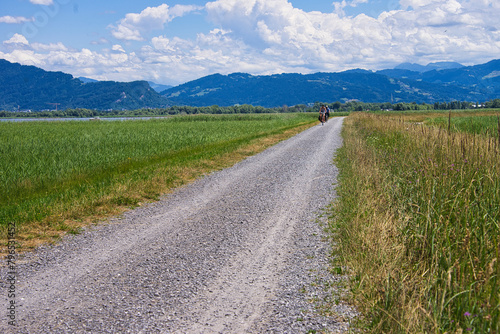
(322, 114)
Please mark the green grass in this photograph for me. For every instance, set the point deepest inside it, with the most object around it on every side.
(54, 171)
(483, 125)
(417, 223)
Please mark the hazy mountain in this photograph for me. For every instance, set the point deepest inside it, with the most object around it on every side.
(87, 80)
(430, 67)
(481, 80)
(291, 89)
(29, 87)
(158, 87)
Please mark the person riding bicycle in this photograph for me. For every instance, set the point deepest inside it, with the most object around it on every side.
(322, 114)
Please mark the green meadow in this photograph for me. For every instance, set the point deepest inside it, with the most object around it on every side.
(417, 222)
(483, 125)
(55, 176)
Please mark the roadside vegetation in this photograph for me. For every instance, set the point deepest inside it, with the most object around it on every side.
(56, 177)
(416, 222)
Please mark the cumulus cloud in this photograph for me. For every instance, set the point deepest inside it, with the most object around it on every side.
(14, 20)
(25, 57)
(444, 30)
(17, 39)
(40, 47)
(429, 29)
(339, 6)
(318, 41)
(42, 2)
(266, 37)
(134, 25)
(118, 48)
(100, 41)
(104, 65)
(405, 4)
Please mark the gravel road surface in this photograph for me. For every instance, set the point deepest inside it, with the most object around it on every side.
(238, 251)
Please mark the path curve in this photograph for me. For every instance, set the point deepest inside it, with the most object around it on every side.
(238, 251)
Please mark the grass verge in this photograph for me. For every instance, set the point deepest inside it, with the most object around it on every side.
(417, 224)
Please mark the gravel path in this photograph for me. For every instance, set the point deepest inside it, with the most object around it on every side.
(239, 251)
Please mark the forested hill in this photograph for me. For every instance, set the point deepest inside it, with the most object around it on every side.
(473, 83)
(292, 89)
(482, 79)
(29, 87)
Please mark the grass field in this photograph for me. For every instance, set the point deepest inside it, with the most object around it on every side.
(483, 125)
(58, 176)
(417, 222)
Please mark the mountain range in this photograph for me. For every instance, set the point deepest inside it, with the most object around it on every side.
(430, 67)
(28, 87)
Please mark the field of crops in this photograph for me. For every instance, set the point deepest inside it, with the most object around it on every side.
(54, 172)
(417, 222)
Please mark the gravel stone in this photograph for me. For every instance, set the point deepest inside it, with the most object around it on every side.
(239, 251)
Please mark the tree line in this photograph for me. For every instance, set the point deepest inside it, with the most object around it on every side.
(248, 109)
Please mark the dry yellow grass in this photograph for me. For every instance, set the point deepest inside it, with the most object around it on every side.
(417, 224)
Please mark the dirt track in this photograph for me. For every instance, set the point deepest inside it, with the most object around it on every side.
(239, 251)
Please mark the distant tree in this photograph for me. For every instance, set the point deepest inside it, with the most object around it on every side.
(336, 105)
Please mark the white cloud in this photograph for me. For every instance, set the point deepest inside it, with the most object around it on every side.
(339, 6)
(354, 3)
(405, 4)
(124, 32)
(14, 20)
(266, 37)
(134, 25)
(118, 48)
(101, 41)
(429, 29)
(25, 57)
(17, 39)
(42, 2)
(318, 41)
(49, 47)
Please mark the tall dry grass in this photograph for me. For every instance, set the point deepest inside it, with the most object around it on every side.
(417, 224)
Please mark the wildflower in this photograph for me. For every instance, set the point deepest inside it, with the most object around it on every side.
(467, 314)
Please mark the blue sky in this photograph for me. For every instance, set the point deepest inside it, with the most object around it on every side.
(171, 42)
